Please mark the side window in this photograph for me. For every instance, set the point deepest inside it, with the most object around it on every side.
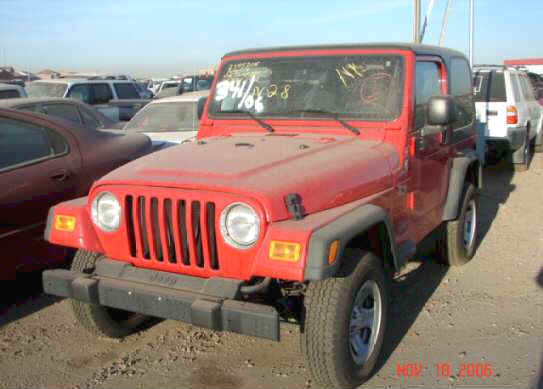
(80, 92)
(58, 144)
(102, 93)
(22, 143)
(527, 89)
(88, 119)
(461, 90)
(428, 75)
(515, 84)
(9, 94)
(64, 111)
(126, 90)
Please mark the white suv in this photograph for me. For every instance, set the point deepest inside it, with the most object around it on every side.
(508, 113)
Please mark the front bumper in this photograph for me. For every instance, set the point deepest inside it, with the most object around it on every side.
(210, 303)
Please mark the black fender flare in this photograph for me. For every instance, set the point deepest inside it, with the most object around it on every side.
(460, 165)
(344, 229)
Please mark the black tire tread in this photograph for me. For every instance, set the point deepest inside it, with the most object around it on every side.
(450, 252)
(324, 302)
(95, 318)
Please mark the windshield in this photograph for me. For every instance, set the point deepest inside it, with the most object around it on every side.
(164, 117)
(45, 89)
(362, 87)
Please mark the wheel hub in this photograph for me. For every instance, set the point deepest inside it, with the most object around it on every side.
(470, 222)
(365, 321)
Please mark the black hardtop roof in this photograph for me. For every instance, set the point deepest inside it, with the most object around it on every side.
(416, 48)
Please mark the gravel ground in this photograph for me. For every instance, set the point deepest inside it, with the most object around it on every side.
(487, 312)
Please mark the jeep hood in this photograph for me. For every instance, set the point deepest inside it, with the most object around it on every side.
(326, 171)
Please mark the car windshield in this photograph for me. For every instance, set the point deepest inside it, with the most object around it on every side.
(362, 87)
(164, 117)
(45, 89)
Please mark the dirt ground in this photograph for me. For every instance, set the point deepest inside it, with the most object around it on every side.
(489, 312)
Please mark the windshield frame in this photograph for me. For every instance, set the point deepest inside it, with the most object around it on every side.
(402, 54)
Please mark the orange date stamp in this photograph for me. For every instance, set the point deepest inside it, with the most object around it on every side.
(446, 370)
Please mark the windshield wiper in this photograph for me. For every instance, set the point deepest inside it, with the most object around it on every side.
(334, 116)
(262, 123)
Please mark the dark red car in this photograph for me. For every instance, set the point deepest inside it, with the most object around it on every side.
(44, 161)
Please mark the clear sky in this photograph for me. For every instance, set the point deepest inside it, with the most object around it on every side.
(163, 37)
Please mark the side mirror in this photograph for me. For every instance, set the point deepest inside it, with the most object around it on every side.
(441, 111)
(200, 107)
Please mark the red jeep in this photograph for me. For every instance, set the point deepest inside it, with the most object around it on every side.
(316, 173)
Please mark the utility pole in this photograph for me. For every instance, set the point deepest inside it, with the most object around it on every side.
(445, 22)
(416, 23)
(471, 28)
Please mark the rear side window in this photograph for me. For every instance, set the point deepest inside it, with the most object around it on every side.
(527, 89)
(126, 90)
(9, 94)
(489, 87)
(80, 92)
(64, 111)
(102, 93)
(22, 143)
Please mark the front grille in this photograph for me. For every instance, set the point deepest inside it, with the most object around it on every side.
(175, 231)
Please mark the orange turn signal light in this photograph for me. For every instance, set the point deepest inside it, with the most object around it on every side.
(332, 253)
(65, 223)
(285, 251)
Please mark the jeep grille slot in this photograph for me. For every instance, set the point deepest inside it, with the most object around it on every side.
(212, 242)
(173, 232)
(197, 232)
(129, 206)
(170, 239)
(143, 227)
(182, 217)
(155, 229)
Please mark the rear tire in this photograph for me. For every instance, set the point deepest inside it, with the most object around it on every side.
(345, 321)
(97, 319)
(459, 238)
(527, 156)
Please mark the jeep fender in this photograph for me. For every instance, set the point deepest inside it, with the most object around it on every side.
(460, 165)
(344, 229)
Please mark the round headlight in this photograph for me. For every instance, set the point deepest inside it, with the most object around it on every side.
(240, 225)
(106, 212)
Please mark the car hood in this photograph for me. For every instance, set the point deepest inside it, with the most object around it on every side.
(324, 171)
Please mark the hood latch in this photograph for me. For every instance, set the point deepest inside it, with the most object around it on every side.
(294, 205)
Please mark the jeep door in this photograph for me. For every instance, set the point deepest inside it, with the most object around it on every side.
(429, 154)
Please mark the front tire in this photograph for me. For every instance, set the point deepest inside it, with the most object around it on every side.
(97, 319)
(459, 239)
(345, 321)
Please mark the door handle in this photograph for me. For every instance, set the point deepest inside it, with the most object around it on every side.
(491, 113)
(60, 175)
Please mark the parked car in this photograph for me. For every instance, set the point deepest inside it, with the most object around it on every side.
(117, 99)
(167, 89)
(11, 91)
(508, 112)
(194, 83)
(69, 109)
(43, 161)
(317, 172)
(171, 120)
